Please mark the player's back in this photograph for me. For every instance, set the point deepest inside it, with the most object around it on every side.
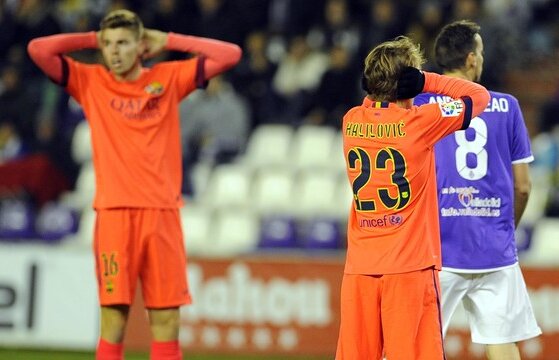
(475, 185)
(393, 225)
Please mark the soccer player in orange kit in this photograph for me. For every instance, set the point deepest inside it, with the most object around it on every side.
(133, 115)
(390, 290)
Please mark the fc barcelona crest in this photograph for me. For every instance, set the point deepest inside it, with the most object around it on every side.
(155, 88)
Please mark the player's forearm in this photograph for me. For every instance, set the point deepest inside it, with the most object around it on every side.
(219, 55)
(46, 51)
(520, 201)
(457, 88)
(522, 188)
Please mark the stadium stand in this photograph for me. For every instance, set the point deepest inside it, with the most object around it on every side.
(290, 170)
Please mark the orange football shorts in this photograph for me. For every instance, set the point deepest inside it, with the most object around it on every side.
(140, 244)
(395, 315)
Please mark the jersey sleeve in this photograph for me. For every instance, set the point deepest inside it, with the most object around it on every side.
(521, 151)
(441, 119)
(77, 79)
(190, 75)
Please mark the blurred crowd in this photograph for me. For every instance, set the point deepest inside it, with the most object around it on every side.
(301, 65)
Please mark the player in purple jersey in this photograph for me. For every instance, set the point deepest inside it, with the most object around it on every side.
(483, 185)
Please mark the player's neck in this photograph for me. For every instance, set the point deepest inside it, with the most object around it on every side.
(130, 75)
(459, 74)
(404, 103)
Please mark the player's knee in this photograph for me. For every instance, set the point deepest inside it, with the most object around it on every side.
(164, 324)
(113, 323)
(502, 352)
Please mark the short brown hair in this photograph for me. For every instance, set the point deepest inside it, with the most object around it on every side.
(453, 44)
(123, 18)
(384, 64)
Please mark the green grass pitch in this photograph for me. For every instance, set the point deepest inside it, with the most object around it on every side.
(25, 354)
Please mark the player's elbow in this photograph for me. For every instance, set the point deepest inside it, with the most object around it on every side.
(523, 189)
(33, 48)
(234, 55)
(480, 101)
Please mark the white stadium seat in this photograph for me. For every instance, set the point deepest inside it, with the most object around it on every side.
(82, 196)
(315, 194)
(268, 145)
(312, 147)
(196, 222)
(228, 186)
(344, 197)
(234, 233)
(337, 155)
(81, 143)
(544, 248)
(272, 191)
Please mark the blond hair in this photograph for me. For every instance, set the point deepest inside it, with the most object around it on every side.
(123, 18)
(384, 64)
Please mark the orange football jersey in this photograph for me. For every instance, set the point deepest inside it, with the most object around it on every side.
(393, 224)
(135, 131)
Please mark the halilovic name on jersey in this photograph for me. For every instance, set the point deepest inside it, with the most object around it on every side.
(475, 185)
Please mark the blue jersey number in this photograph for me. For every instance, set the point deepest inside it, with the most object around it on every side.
(383, 156)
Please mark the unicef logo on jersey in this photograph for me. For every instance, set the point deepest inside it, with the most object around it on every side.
(395, 219)
(386, 220)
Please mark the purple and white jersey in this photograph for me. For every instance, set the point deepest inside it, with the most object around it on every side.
(476, 188)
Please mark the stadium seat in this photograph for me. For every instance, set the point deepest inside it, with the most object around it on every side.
(200, 172)
(544, 245)
(81, 143)
(268, 145)
(234, 233)
(196, 222)
(82, 196)
(315, 194)
(84, 235)
(322, 233)
(539, 195)
(278, 232)
(337, 155)
(344, 197)
(17, 220)
(272, 191)
(55, 221)
(228, 186)
(312, 147)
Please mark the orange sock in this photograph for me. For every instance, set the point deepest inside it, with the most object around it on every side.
(109, 351)
(165, 350)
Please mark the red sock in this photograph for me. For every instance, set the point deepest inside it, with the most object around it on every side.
(109, 351)
(165, 350)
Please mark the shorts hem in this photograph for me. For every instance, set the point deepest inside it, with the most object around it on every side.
(507, 340)
(180, 303)
(115, 303)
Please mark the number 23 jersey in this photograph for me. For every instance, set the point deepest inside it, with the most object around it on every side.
(393, 225)
(475, 185)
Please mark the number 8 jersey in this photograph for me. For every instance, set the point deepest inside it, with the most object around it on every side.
(475, 185)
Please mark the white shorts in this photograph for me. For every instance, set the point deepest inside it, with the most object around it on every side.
(496, 303)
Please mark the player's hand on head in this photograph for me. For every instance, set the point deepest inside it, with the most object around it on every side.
(154, 41)
(410, 83)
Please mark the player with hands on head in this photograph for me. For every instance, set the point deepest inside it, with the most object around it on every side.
(483, 183)
(390, 290)
(132, 111)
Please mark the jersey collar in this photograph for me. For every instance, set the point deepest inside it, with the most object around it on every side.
(375, 104)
